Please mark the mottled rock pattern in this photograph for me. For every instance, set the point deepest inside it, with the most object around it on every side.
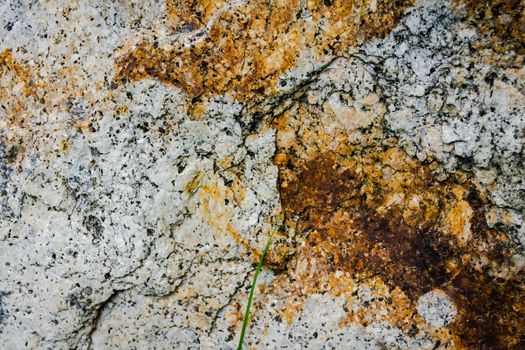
(147, 146)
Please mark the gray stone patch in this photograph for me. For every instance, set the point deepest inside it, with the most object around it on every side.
(436, 308)
(6, 155)
(3, 312)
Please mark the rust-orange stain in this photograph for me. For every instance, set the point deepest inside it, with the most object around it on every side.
(13, 77)
(17, 96)
(243, 49)
(248, 47)
(374, 212)
(19, 72)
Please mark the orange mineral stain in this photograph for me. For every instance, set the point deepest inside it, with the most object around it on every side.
(370, 215)
(248, 47)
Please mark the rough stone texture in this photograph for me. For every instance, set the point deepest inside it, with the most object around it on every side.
(147, 146)
(436, 308)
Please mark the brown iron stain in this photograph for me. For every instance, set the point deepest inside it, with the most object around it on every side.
(248, 47)
(375, 212)
(502, 22)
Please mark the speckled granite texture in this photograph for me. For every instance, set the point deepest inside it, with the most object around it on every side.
(146, 148)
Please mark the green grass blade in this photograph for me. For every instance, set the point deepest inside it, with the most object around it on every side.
(252, 290)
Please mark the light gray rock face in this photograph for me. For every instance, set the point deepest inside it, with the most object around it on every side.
(119, 210)
(436, 308)
(126, 222)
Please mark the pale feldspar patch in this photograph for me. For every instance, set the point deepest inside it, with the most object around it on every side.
(436, 308)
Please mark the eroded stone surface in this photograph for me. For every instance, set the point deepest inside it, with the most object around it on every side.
(146, 147)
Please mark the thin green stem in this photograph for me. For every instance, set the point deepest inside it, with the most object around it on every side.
(252, 290)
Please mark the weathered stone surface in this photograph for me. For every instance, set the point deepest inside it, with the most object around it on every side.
(147, 146)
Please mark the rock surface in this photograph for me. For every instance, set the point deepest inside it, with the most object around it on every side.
(146, 148)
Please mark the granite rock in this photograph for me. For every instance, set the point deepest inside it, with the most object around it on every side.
(147, 147)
